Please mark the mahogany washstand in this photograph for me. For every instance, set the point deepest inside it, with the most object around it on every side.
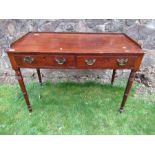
(59, 50)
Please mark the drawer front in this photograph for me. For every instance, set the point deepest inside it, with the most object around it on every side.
(45, 61)
(108, 62)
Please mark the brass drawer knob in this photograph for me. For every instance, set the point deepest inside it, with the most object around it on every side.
(28, 59)
(90, 61)
(60, 61)
(122, 61)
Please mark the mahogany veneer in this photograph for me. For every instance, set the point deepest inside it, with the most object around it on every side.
(75, 51)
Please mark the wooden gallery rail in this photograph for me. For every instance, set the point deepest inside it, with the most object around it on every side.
(75, 51)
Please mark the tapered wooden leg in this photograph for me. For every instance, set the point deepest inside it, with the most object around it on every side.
(23, 89)
(113, 76)
(127, 90)
(39, 76)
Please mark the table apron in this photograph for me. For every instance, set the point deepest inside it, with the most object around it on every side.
(75, 61)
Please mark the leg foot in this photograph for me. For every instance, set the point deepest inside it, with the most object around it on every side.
(121, 109)
(30, 109)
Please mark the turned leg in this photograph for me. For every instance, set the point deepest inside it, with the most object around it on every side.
(23, 89)
(127, 90)
(39, 76)
(113, 76)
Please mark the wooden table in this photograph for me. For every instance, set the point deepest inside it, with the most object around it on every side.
(75, 51)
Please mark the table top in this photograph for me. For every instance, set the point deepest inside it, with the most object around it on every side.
(66, 42)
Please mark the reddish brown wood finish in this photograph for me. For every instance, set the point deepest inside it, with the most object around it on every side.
(75, 50)
(75, 43)
(45, 61)
(105, 62)
(23, 89)
(128, 87)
